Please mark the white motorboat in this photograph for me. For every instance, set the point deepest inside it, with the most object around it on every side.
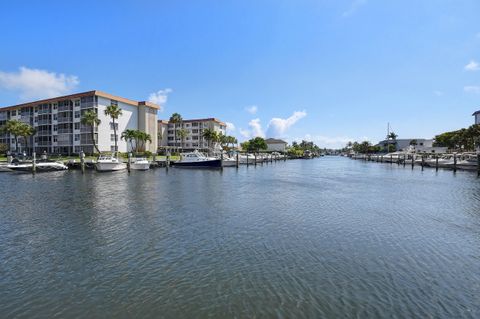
(229, 161)
(4, 167)
(468, 162)
(243, 158)
(106, 163)
(140, 163)
(43, 166)
(196, 159)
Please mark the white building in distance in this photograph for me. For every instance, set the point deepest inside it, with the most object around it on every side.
(276, 145)
(194, 128)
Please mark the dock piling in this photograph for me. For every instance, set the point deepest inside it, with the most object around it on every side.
(236, 162)
(129, 161)
(454, 162)
(34, 163)
(436, 163)
(82, 162)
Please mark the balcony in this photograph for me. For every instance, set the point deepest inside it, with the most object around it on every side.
(44, 133)
(65, 131)
(43, 122)
(43, 143)
(66, 108)
(64, 119)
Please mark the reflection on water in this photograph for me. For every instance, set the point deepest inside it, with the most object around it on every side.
(328, 237)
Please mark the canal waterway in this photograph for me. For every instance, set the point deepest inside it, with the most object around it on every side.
(321, 238)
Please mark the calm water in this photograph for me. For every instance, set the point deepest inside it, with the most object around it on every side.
(329, 237)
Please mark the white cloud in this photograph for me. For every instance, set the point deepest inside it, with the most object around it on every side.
(38, 84)
(472, 89)
(354, 6)
(472, 66)
(251, 109)
(438, 93)
(160, 97)
(278, 126)
(230, 126)
(256, 128)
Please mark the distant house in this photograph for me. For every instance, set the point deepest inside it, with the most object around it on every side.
(422, 146)
(477, 117)
(275, 145)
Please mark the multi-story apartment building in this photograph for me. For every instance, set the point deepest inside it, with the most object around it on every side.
(477, 117)
(194, 128)
(58, 126)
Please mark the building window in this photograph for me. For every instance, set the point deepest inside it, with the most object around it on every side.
(195, 138)
(112, 137)
(113, 149)
(76, 126)
(195, 131)
(77, 137)
(111, 126)
(195, 124)
(77, 102)
(55, 106)
(14, 112)
(113, 103)
(55, 138)
(54, 117)
(77, 114)
(55, 127)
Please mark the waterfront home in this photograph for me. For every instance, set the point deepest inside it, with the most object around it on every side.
(194, 128)
(276, 145)
(58, 126)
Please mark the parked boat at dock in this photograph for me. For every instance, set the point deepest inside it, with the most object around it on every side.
(197, 160)
(106, 163)
(140, 164)
(43, 166)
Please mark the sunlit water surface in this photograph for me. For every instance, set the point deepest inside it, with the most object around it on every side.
(328, 237)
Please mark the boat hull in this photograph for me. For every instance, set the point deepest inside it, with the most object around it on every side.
(140, 166)
(229, 163)
(200, 164)
(110, 167)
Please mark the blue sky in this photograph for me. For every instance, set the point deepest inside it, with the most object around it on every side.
(329, 71)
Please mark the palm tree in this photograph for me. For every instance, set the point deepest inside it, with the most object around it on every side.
(210, 135)
(13, 127)
(175, 118)
(114, 112)
(26, 131)
(130, 136)
(143, 138)
(91, 119)
(182, 133)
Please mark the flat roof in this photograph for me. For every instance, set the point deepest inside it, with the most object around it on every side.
(275, 141)
(475, 113)
(197, 120)
(83, 94)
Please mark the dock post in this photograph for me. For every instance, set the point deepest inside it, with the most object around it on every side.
(255, 154)
(413, 160)
(236, 162)
(391, 159)
(34, 163)
(455, 162)
(423, 161)
(129, 161)
(154, 160)
(436, 163)
(82, 162)
(478, 164)
(167, 160)
(221, 160)
(247, 159)
(381, 159)
(404, 159)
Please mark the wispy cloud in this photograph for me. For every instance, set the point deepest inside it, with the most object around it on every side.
(230, 126)
(354, 6)
(38, 84)
(160, 97)
(472, 66)
(252, 109)
(278, 126)
(472, 89)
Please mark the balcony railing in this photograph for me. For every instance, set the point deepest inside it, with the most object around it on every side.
(40, 122)
(64, 119)
(44, 133)
(65, 108)
(43, 143)
(65, 130)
